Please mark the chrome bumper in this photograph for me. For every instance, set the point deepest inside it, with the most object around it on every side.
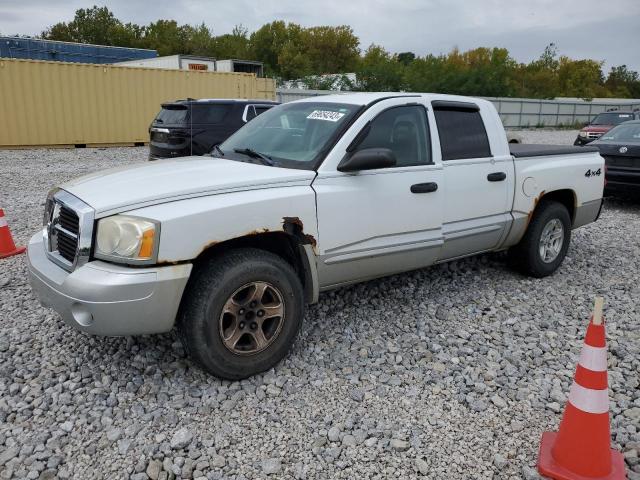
(101, 298)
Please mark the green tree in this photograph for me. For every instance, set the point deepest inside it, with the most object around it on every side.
(276, 43)
(234, 44)
(330, 49)
(581, 78)
(406, 57)
(165, 36)
(623, 83)
(379, 71)
(95, 25)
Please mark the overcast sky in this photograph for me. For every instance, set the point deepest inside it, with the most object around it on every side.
(602, 30)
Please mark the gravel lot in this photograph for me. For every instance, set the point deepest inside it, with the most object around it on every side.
(448, 372)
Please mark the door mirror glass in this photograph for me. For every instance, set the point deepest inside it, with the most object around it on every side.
(368, 159)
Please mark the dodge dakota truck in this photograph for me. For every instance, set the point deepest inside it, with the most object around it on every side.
(309, 196)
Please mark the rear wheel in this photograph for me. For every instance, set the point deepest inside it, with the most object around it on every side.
(545, 244)
(241, 313)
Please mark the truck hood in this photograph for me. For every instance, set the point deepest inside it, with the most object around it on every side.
(125, 188)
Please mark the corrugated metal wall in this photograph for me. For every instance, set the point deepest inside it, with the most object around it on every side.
(56, 103)
(517, 112)
(39, 49)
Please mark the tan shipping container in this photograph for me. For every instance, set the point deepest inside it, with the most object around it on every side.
(56, 103)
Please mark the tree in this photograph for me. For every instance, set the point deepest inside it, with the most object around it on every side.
(234, 44)
(330, 49)
(277, 42)
(406, 58)
(581, 78)
(95, 25)
(622, 82)
(379, 71)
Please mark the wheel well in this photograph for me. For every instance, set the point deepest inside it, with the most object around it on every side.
(565, 197)
(282, 244)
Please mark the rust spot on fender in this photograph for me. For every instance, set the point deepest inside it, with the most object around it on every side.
(292, 221)
(535, 205)
(294, 226)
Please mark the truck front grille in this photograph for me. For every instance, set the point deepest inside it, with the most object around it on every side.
(67, 227)
(620, 161)
(68, 230)
(593, 135)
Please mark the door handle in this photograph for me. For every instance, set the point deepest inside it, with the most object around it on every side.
(424, 187)
(496, 176)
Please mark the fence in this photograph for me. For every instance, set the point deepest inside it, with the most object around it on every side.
(517, 112)
(57, 103)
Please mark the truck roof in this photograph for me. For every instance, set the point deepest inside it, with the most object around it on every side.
(365, 98)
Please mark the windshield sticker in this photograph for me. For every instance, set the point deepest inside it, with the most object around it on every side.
(624, 115)
(327, 115)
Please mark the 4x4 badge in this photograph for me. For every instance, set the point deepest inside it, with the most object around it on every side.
(623, 149)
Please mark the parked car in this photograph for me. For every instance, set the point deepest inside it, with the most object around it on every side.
(620, 148)
(310, 196)
(602, 123)
(194, 127)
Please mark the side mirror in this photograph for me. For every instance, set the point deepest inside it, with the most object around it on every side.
(368, 159)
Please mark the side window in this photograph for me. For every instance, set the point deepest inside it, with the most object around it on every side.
(209, 112)
(404, 131)
(261, 109)
(462, 133)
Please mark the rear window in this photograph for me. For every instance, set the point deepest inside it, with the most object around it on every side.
(462, 133)
(209, 113)
(172, 115)
(612, 118)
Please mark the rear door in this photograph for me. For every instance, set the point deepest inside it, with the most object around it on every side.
(478, 186)
(387, 220)
(210, 125)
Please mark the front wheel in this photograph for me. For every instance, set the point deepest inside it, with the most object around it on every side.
(241, 313)
(546, 241)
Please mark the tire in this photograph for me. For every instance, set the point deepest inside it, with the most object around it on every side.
(527, 257)
(202, 325)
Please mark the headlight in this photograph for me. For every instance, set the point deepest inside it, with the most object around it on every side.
(583, 134)
(127, 239)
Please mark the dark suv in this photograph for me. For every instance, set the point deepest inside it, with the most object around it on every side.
(194, 127)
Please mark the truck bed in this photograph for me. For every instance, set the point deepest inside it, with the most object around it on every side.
(531, 150)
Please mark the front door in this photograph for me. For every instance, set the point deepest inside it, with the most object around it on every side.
(387, 220)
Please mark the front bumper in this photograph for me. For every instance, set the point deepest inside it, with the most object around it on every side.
(101, 298)
(622, 181)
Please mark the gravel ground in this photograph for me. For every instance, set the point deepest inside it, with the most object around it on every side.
(448, 372)
(547, 135)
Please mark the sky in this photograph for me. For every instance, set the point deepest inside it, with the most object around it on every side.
(601, 30)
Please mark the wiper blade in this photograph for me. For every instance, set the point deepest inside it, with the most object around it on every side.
(249, 152)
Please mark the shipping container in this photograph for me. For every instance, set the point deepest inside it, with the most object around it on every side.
(66, 104)
(38, 49)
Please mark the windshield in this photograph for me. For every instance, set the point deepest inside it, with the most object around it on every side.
(623, 133)
(172, 115)
(293, 135)
(611, 118)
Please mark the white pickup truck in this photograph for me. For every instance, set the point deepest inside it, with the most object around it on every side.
(309, 196)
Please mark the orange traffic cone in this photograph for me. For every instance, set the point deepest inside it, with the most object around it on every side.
(581, 449)
(7, 247)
